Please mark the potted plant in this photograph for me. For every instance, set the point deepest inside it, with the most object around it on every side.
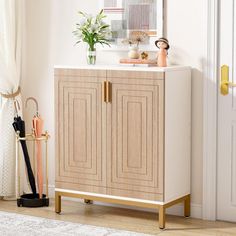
(92, 30)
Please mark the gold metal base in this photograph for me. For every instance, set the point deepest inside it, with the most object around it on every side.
(162, 207)
(57, 202)
(87, 201)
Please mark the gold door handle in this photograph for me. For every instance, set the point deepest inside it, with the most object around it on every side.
(108, 96)
(107, 91)
(224, 81)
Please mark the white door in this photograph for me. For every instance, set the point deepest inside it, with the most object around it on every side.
(226, 166)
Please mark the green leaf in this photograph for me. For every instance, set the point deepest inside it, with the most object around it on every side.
(77, 43)
(102, 43)
(81, 13)
(105, 26)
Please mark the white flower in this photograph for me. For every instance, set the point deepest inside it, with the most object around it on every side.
(83, 21)
(93, 21)
(89, 16)
(94, 28)
(102, 23)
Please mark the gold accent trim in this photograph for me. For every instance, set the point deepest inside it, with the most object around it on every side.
(162, 208)
(108, 91)
(30, 137)
(17, 166)
(46, 150)
(162, 217)
(87, 201)
(176, 201)
(105, 91)
(57, 202)
(224, 88)
(34, 157)
(225, 84)
(187, 207)
(12, 95)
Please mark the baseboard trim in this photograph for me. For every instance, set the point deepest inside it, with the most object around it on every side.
(196, 209)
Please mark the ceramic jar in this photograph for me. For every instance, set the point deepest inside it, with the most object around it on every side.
(133, 52)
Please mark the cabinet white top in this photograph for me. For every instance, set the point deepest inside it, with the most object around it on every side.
(125, 68)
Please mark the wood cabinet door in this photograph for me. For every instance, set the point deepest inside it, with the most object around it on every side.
(80, 130)
(135, 135)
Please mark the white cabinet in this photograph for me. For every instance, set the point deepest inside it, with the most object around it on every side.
(123, 135)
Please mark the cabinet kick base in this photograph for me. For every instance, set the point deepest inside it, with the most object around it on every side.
(89, 197)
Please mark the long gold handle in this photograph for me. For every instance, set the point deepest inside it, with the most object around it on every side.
(105, 91)
(225, 84)
(108, 91)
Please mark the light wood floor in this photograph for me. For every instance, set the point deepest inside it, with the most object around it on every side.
(119, 218)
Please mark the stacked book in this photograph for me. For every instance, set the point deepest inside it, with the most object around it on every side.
(139, 62)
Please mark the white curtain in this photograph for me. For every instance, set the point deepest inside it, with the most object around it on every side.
(11, 34)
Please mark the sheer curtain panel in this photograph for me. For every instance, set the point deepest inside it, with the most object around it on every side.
(11, 34)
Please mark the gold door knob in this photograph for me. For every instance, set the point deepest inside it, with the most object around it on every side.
(224, 80)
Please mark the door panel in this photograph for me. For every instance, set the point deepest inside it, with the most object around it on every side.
(233, 165)
(81, 133)
(226, 166)
(135, 133)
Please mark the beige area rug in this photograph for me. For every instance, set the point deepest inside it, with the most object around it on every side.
(12, 224)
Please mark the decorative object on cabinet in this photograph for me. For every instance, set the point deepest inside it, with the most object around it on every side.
(163, 45)
(126, 16)
(135, 39)
(92, 30)
(131, 140)
(144, 55)
(138, 37)
(133, 52)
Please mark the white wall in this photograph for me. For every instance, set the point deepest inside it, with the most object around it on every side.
(49, 42)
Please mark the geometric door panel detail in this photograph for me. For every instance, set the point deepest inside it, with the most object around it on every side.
(80, 113)
(136, 161)
(132, 117)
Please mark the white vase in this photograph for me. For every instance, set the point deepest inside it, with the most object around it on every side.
(133, 52)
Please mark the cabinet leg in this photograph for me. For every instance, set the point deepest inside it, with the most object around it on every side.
(87, 201)
(57, 203)
(187, 206)
(162, 217)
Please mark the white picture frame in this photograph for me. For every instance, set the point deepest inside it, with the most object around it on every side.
(115, 13)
